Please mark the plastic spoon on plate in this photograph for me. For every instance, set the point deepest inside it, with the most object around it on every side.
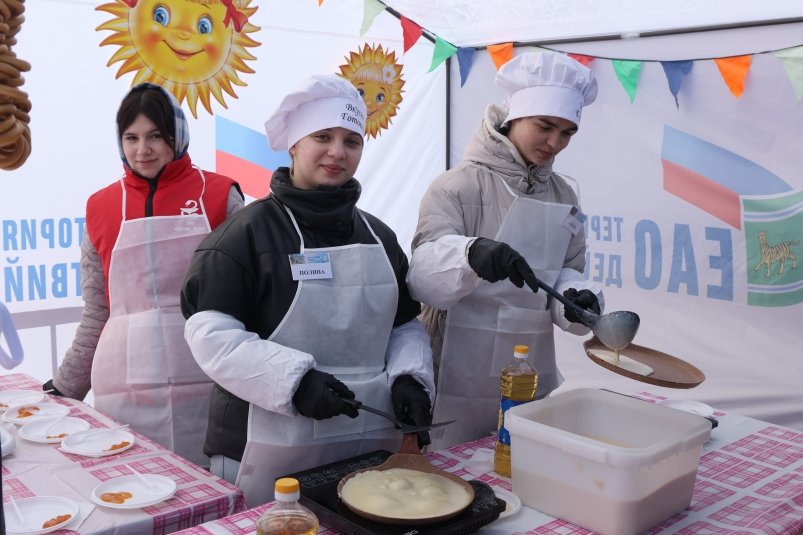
(83, 437)
(23, 523)
(54, 422)
(142, 479)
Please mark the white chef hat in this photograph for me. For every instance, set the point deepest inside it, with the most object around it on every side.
(546, 83)
(321, 101)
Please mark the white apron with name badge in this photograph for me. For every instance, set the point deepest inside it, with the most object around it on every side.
(484, 326)
(144, 373)
(344, 322)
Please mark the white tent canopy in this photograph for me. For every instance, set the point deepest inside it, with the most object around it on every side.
(681, 254)
(477, 23)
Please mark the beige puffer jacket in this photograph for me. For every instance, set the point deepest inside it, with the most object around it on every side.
(469, 201)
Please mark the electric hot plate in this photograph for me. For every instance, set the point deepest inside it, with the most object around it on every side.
(319, 494)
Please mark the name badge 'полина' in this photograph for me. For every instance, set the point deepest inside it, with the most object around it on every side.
(310, 266)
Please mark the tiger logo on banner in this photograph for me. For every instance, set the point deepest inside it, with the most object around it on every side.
(193, 48)
(748, 197)
(378, 78)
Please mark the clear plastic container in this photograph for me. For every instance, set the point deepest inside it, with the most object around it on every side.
(604, 461)
(517, 383)
(287, 517)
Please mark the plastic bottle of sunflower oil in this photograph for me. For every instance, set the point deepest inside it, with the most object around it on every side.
(287, 517)
(517, 383)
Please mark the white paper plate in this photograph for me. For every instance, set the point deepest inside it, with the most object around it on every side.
(37, 511)
(10, 398)
(37, 430)
(45, 409)
(513, 502)
(97, 442)
(7, 442)
(694, 407)
(161, 489)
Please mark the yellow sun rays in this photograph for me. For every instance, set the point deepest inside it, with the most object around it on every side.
(377, 76)
(183, 45)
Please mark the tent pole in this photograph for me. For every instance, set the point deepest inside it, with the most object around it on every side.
(448, 114)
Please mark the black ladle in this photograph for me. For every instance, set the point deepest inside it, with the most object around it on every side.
(616, 329)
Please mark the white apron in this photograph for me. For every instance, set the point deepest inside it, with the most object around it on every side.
(144, 373)
(484, 326)
(345, 323)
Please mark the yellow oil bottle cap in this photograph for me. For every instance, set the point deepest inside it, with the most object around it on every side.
(286, 485)
(521, 349)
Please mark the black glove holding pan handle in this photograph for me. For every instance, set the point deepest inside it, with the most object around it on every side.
(411, 405)
(320, 396)
(495, 261)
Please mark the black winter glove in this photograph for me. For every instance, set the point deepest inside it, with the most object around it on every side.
(585, 299)
(49, 386)
(411, 405)
(495, 261)
(319, 395)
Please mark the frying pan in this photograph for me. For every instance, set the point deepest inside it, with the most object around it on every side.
(410, 458)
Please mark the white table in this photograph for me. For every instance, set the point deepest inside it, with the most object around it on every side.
(750, 481)
(35, 469)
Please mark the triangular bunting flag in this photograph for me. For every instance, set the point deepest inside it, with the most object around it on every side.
(443, 51)
(585, 60)
(628, 73)
(500, 53)
(371, 9)
(411, 31)
(792, 59)
(675, 72)
(320, 3)
(465, 58)
(734, 71)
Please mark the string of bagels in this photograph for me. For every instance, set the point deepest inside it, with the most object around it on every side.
(15, 132)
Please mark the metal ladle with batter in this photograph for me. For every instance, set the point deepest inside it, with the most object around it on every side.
(616, 329)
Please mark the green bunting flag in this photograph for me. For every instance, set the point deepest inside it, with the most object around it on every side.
(443, 51)
(628, 73)
(792, 59)
(371, 9)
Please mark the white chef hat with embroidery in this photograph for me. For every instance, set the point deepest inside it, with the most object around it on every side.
(546, 83)
(321, 101)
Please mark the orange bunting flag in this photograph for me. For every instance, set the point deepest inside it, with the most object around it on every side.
(411, 31)
(734, 71)
(585, 60)
(320, 3)
(501, 53)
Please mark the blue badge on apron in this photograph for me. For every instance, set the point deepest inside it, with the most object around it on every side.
(310, 266)
(574, 220)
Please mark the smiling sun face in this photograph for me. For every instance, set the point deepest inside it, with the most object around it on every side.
(377, 77)
(193, 48)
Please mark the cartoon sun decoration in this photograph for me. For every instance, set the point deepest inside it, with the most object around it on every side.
(192, 48)
(377, 76)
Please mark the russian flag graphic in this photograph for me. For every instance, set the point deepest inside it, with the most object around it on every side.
(244, 155)
(712, 178)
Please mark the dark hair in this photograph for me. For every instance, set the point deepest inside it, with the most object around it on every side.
(151, 102)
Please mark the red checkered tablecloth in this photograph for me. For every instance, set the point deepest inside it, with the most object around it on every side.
(750, 482)
(35, 469)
